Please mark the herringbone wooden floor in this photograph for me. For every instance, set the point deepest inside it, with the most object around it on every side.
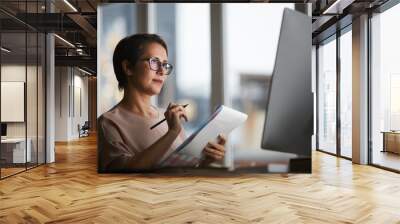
(71, 191)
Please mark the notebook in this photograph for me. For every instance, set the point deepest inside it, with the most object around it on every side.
(189, 153)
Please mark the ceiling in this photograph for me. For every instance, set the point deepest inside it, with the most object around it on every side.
(76, 22)
(76, 25)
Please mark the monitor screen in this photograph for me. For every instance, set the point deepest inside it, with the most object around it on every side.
(289, 111)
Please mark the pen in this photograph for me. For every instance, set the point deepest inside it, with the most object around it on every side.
(164, 119)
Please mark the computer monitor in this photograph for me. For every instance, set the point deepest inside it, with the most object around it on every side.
(3, 129)
(288, 123)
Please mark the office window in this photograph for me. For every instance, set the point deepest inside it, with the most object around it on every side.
(385, 87)
(250, 41)
(13, 87)
(346, 94)
(186, 29)
(327, 96)
(22, 93)
(116, 21)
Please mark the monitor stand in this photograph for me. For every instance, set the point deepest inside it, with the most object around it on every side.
(300, 165)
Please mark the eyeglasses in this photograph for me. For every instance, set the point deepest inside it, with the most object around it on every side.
(155, 65)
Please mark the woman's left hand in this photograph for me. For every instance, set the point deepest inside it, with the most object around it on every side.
(215, 151)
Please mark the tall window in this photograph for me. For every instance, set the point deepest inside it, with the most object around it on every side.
(250, 41)
(186, 29)
(327, 96)
(116, 21)
(193, 70)
(385, 103)
(22, 92)
(346, 94)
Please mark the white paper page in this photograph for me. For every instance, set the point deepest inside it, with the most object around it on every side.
(223, 121)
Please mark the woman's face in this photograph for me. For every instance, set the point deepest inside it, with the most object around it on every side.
(143, 77)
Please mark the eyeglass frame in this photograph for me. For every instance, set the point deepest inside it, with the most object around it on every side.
(162, 64)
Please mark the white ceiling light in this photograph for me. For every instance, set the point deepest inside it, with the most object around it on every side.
(338, 6)
(79, 51)
(84, 71)
(5, 50)
(70, 5)
(65, 41)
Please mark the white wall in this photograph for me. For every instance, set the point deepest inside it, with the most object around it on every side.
(80, 83)
(33, 127)
(70, 83)
(12, 73)
(61, 103)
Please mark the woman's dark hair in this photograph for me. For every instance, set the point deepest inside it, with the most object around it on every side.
(131, 48)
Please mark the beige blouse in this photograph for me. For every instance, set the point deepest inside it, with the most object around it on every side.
(122, 135)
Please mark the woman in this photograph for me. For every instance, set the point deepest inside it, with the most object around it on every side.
(126, 141)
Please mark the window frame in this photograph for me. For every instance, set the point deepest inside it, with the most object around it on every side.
(378, 10)
(334, 37)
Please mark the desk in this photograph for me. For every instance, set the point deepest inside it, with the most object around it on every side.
(391, 141)
(295, 165)
(13, 150)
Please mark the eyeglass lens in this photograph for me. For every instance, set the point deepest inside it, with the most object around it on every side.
(155, 64)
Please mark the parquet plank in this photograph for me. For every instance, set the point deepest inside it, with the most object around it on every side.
(71, 191)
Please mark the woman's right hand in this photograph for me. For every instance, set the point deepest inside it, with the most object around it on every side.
(173, 114)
